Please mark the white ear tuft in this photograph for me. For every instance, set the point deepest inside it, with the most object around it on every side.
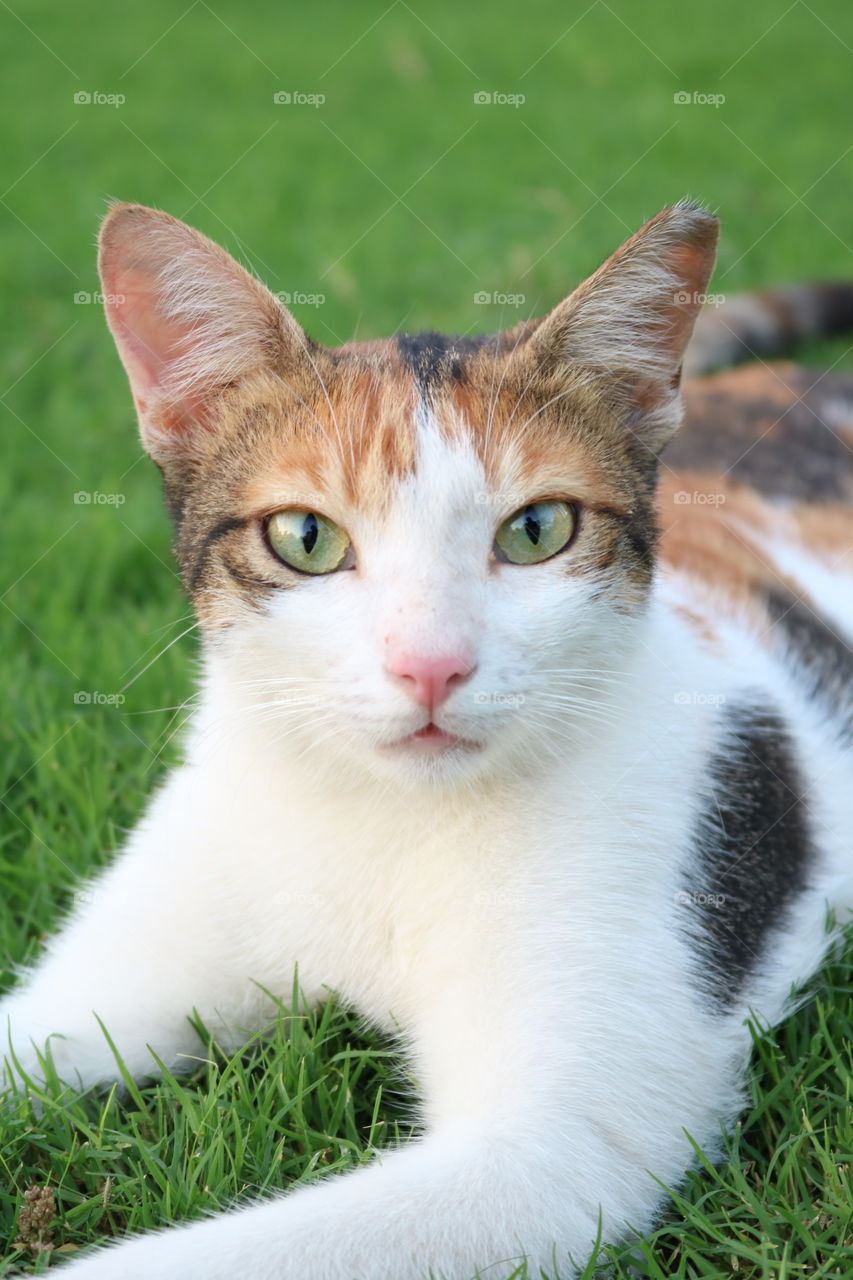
(187, 319)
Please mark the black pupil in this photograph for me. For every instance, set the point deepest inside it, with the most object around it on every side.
(532, 527)
(310, 532)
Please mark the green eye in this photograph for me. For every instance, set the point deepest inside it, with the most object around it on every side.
(307, 541)
(535, 533)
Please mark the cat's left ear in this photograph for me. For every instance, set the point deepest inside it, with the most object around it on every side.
(188, 321)
(632, 319)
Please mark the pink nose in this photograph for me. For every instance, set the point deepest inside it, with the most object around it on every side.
(428, 679)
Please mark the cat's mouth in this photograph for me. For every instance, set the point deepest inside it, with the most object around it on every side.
(432, 738)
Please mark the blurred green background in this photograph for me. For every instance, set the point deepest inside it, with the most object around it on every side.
(395, 195)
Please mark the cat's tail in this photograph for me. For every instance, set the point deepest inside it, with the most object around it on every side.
(749, 326)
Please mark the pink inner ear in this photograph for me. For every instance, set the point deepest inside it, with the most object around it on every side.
(692, 265)
(149, 344)
(187, 320)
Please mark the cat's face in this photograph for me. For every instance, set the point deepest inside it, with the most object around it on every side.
(419, 556)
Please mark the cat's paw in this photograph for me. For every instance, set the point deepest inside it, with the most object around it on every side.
(33, 1052)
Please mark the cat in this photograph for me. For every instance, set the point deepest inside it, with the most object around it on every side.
(524, 729)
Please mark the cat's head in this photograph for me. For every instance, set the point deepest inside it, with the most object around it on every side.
(423, 555)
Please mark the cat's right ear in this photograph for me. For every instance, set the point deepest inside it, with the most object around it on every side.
(187, 320)
(630, 322)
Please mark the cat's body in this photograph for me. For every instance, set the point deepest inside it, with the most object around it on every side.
(622, 833)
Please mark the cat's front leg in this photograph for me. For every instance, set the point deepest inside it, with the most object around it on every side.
(542, 1133)
(154, 938)
(456, 1205)
(441, 1208)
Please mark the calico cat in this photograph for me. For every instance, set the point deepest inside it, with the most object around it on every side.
(527, 731)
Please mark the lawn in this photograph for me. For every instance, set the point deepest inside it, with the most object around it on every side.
(382, 196)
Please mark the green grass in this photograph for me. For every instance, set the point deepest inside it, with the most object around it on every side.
(398, 199)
